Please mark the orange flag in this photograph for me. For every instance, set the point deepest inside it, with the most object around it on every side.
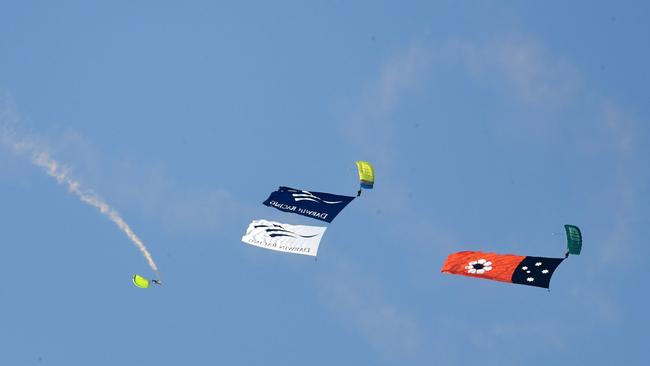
(531, 271)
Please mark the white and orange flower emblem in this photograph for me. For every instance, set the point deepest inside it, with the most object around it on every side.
(479, 266)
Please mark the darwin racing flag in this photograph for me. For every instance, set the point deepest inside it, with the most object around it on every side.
(299, 239)
(317, 205)
(531, 271)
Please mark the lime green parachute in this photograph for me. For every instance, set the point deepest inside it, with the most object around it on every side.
(366, 176)
(573, 239)
(140, 281)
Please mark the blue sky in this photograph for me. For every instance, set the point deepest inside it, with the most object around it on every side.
(490, 125)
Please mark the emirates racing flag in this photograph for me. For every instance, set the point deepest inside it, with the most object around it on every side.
(531, 271)
(317, 205)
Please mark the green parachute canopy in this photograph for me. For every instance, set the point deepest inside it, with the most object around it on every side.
(573, 239)
(140, 281)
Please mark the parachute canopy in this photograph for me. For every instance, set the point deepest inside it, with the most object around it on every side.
(140, 281)
(573, 239)
(366, 174)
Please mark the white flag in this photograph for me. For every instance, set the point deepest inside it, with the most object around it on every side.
(299, 239)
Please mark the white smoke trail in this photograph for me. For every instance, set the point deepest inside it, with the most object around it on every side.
(42, 159)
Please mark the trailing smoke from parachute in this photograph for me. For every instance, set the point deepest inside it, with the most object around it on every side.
(52, 168)
(43, 160)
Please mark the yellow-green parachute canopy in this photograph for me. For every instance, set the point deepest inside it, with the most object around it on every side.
(140, 281)
(366, 174)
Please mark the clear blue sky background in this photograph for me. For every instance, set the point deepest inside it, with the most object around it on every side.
(490, 124)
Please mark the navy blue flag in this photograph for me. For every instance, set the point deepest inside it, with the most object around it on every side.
(317, 205)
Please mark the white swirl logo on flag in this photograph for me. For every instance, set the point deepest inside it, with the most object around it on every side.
(275, 230)
(308, 196)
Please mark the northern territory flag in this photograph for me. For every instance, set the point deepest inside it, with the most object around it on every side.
(531, 271)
